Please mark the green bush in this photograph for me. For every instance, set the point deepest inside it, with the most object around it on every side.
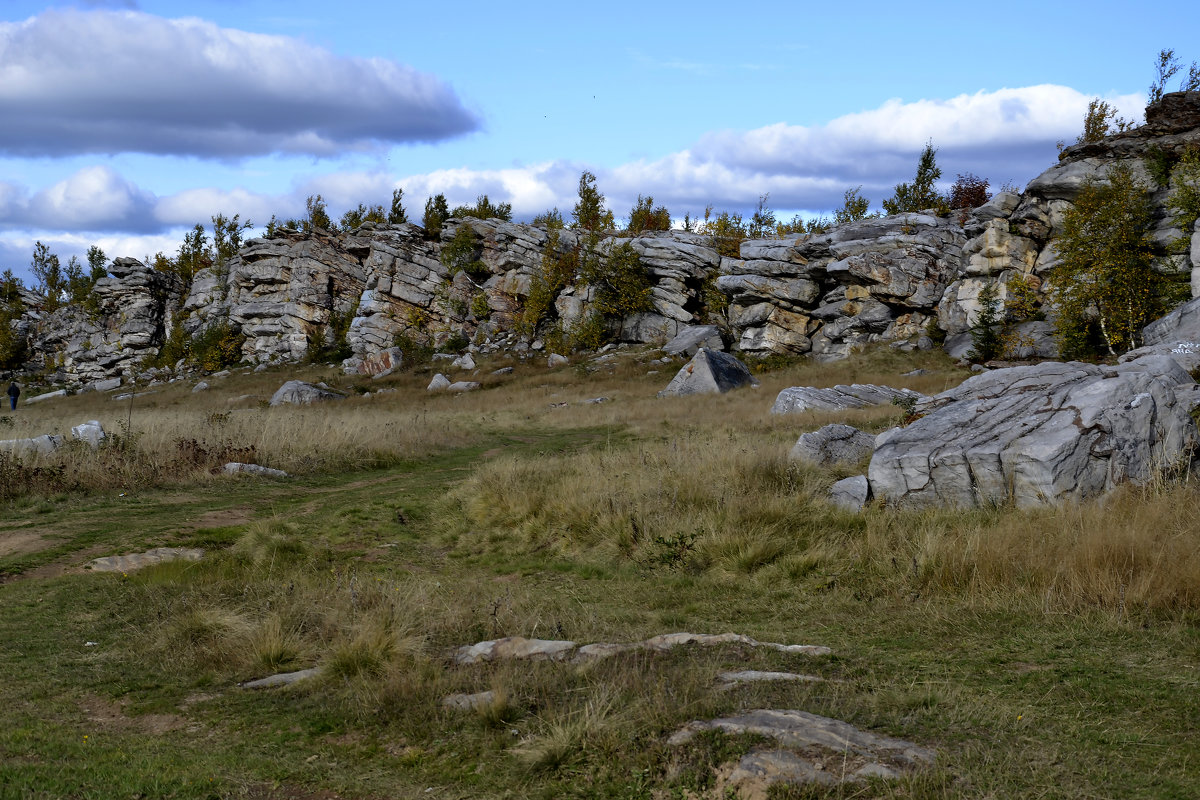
(217, 346)
(922, 193)
(621, 284)
(461, 254)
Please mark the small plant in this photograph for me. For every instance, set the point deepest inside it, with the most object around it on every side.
(645, 217)
(1101, 120)
(969, 191)
(854, 207)
(480, 309)
(461, 254)
(217, 346)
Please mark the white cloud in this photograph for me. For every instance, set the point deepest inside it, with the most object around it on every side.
(125, 81)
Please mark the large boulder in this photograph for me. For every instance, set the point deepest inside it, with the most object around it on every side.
(1039, 434)
(833, 444)
(798, 399)
(299, 393)
(709, 372)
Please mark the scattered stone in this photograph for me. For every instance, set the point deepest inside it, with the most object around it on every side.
(1039, 434)
(514, 648)
(464, 361)
(833, 444)
(439, 383)
(202, 386)
(236, 467)
(91, 432)
(159, 555)
(692, 337)
(131, 395)
(709, 372)
(46, 396)
(469, 702)
(555, 360)
(106, 385)
(811, 749)
(667, 641)
(503, 371)
(299, 393)
(45, 444)
(838, 398)
(851, 494)
(222, 374)
(263, 367)
(463, 386)
(376, 365)
(282, 679)
(595, 401)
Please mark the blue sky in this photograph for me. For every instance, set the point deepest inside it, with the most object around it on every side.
(124, 122)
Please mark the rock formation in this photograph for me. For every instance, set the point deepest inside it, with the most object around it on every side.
(907, 279)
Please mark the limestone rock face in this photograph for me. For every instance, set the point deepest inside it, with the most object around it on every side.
(133, 306)
(1038, 434)
(832, 444)
(709, 372)
(692, 338)
(1177, 335)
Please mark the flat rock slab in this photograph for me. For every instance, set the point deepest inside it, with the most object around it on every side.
(851, 494)
(159, 555)
(45, 444)
(731, 679)
(1039, 434)
(668, 641)
(514, 648)
(692, 338)
(799, 399)
(282, 679)
(811, 749)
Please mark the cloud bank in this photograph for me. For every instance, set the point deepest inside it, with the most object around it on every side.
(1006, 135)
(103, 81)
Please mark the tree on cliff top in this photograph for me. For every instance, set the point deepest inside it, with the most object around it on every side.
(922, 193)
(590, 213)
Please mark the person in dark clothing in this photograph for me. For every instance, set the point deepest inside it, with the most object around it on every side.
(14, 392)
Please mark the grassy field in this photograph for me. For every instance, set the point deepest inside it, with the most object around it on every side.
(1050, 653)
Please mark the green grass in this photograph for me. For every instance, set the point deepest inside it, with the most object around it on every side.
(376, 576)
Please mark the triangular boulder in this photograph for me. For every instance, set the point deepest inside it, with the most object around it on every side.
(709, 372)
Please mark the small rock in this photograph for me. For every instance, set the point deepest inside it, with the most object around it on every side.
(757, 676)
(463, 386)
(503, 371)
(438, 383)
(469, 702)
(555, 360)
(464, 362)
(850, 494)
(709, 372)
(47, 396)
(282, 679)
(202, 386)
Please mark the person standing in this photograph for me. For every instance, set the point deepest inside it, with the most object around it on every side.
(14, 392)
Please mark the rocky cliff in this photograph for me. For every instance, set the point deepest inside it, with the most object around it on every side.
(908, 279)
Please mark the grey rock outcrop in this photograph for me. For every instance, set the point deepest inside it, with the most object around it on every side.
(832, 444)
(90, 432)
(132, 561)
(799, 399)
(237, 467)
(1038, 434)
(1177, 336)
(709, 372)
(42, 445)
(299, 393)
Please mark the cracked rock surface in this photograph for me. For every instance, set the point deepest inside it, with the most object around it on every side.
(1039, 434)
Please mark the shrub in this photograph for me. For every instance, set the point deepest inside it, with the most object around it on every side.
(557, 270)
(622, 285)
(461, 254)
(1184, 199)
(590, 213)
(484, 209)
(969, 191)
(436, 213)
(645, 217)
(217, 346)
(854, 207)
(728, 231)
